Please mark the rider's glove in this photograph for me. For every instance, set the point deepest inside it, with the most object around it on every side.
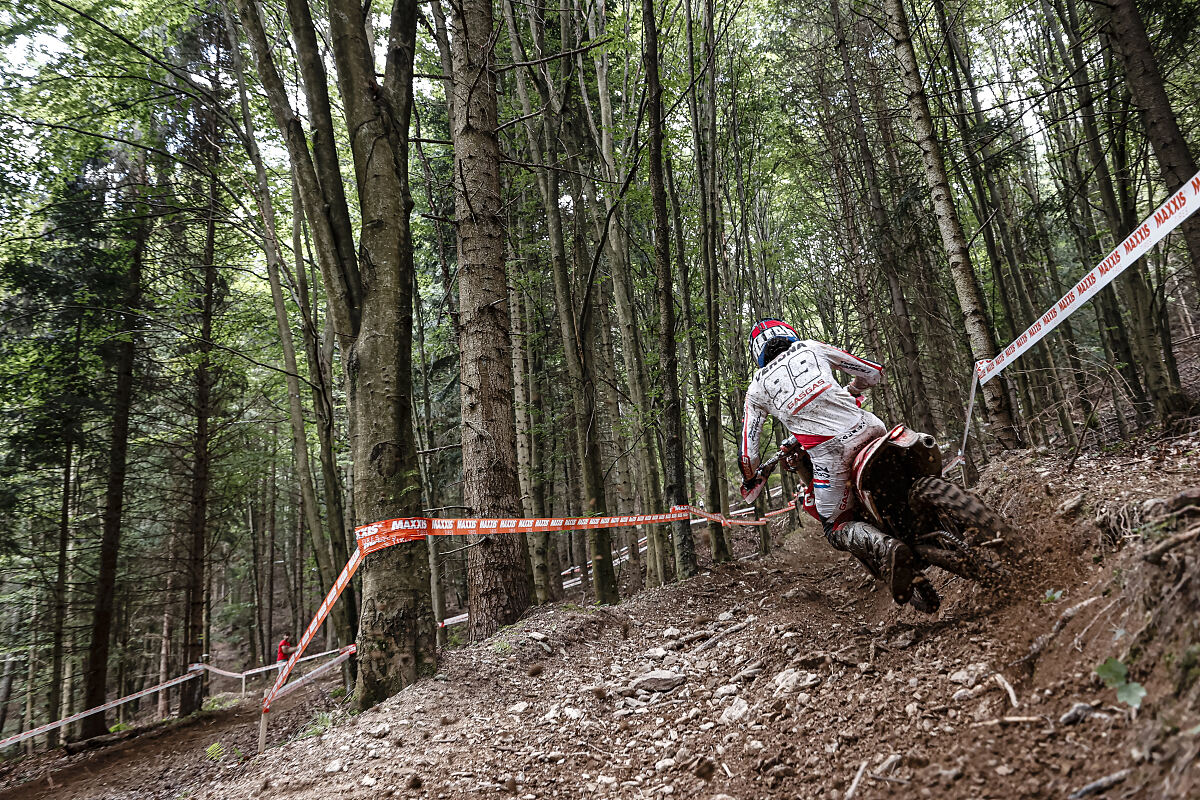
(752, 487)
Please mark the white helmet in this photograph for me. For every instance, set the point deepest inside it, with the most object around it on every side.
(766, 330)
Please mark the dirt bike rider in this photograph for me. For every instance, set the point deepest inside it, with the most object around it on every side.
(795, 383)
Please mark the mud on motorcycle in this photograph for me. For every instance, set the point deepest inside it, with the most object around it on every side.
(897, 481)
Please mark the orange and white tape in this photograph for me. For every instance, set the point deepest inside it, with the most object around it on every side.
(380, 535)
(723, 520)
(1154, 228)
(783, 510)
(335, 591)
(1168, 216)
(343, 654)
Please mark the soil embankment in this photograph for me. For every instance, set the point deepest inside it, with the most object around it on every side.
(788, 676)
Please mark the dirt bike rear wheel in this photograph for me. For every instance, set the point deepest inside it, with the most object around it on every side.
(963, 524)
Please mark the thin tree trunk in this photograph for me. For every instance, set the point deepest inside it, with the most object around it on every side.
(1148, 88)
(192, 692)
(1134, 289)
(59, 593)
(646, 456)
(259, 642)
(6, 682)
(96, 676)
(167, 631)
(672, 413)
(373, 318)
(576, 338)
(979, 331)
(327, 553)
(884, 233)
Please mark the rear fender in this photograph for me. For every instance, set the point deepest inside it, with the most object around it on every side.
(924, 458)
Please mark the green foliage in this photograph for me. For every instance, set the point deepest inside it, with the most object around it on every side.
(455, 637)
(321, 722)
(120, 726)
(1112, 672)
(1052, 596)
(215, 751)
(220, 702)
(1115, 676)
(1131, 694)
(1189, 669)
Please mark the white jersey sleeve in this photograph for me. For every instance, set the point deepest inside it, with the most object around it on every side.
(756, 411)
(869, 371)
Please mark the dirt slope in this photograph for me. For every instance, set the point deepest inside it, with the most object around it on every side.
(167, 761)
(782, 677)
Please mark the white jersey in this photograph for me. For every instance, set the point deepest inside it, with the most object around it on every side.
(799, 389)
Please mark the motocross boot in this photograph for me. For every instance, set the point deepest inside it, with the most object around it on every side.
(883, 556)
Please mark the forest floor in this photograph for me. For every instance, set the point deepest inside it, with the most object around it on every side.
(786, 676)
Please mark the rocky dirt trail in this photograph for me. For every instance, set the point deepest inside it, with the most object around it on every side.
(791, 677)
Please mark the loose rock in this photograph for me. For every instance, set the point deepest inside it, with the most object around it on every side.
(1078, 713)
(737, 711)
(657, 680)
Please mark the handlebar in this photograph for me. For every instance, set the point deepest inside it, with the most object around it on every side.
(764, 469)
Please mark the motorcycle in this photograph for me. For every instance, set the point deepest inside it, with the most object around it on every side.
(897, 480)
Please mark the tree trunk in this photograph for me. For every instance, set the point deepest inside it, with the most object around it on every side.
(373, 318)
(884, 233)
(58, 620)
(1134, 289)
(708, 387)
(1146, 84)
(10, 670)
(577, 348)
(96, 676)
(167, 630)
(326, 553)
(191, 693)
(498, 591)
(671, 422)
(646, 456)
(983, 342)
(544, 548)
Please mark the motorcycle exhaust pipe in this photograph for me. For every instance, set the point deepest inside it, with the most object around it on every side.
(928, 441)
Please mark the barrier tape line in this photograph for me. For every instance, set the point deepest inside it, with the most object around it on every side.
(226, 673)
(193, 672)
(335, 591)
(344, 654)
(1154, 228)
(961, 456)
(379, 535)
(725, 521)
(790, 506)
(276, 665)
(957, 461)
